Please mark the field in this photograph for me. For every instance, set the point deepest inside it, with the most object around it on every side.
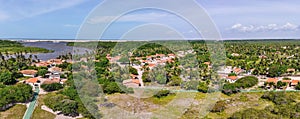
(15, 112)
(39, 113)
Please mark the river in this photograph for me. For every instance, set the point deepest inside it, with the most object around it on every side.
(59, 48)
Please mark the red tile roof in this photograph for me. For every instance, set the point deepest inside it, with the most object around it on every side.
(274, 80)
(32, 80)
(232, 77)
(29, 72)
(286, 81)
(295, 82)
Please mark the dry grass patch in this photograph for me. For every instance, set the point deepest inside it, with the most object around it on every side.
(39, 113)
(15, 112)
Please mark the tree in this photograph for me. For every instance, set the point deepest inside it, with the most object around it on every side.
(175, 81)
(111, 87)
(297, 86)
(7, 78)
(52, 87)
(145, 77)
(42, 72)
(203, 87)
(276, 71)
(133, 71)
(69, 107)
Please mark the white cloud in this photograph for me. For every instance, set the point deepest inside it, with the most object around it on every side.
(71, 25)
(145, 17)
(264, 28)
(30, 8)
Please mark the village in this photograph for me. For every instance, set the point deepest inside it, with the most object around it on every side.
(230, 74)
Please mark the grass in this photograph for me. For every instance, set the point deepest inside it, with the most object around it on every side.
(15, 112)
(160, 101)
(39, 113)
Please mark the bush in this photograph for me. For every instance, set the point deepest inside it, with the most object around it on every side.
(203, 87)
(162, 93)
(52, 87)
(242, 83)
(111, 87)
(219, 106)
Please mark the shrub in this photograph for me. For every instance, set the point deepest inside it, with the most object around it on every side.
(162, 93)
(52, 87)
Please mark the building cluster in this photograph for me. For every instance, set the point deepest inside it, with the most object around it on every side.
(148, 62)
(53, 75)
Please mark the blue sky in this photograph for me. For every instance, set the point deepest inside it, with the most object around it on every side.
(235, 19)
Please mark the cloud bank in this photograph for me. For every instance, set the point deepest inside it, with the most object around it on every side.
(264, 28)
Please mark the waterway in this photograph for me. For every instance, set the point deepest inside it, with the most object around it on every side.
(59, 48)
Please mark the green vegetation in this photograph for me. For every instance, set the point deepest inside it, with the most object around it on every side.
(11, 47)
(242, 83)
(59, 102)
(162, 93)
(285, 107)
(39, 113)
(10, 95)
(52, 87)
(7, 78)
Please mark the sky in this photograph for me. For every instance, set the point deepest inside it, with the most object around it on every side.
(235, 19)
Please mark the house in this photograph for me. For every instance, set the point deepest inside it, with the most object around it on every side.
(42, 64)
(32, 81)
(231, 79)
(171, 56)
(132, 83)
(272, 80)
(55, 61)
(286, 81)
(207, 63)
(235, 54)
(55, 70)
(294, 82)
(290, 70)
(51, 81)
(29, 73)
(237, 70)
(152, 65)
(160, 55)
(134, 76)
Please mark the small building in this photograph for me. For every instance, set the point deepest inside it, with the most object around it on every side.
(294, 82)
(237, 70)
(33, 81)
(231, 79)
(55, 70)
(51, 81)
(132, 83)
(42, 64)
(29, 73)
(171, 56)
(272, 80)
(55, 61)
(286, 81)
(290, 70)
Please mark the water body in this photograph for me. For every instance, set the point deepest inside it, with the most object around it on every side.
(59, 48)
